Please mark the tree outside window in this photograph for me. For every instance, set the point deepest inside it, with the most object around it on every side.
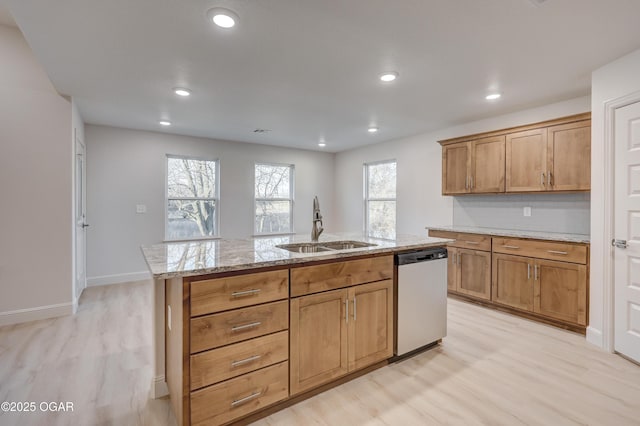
(273, 198)
(380, 199)
(192, 198)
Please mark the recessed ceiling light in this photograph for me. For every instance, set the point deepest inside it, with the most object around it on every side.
(224, 18)
(493, 96)
(164, 123)
(388, 76)
(322, 144)
(181, 91)
(372, 129)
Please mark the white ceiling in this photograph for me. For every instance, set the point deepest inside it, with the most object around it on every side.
(308, 69)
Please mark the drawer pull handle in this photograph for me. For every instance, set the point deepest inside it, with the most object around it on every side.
(472, 242)
(557, 252)
(246, 399)
(245, 326)
(246, 360)
(511, 247)
(245, 293)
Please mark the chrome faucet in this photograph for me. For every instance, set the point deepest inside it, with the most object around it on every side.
(317, 217)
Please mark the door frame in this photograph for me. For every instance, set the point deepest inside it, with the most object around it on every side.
(77, 291)
(608, 293)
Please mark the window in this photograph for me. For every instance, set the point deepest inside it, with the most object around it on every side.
(192, 198)
(380, 199)
(273, 198)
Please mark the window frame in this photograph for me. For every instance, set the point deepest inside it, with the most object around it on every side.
(291, 199)
(216, 198)
(367, 199)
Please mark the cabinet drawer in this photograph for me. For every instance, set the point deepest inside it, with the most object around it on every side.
(222, 294)
(240, 396)
(230, 361)
(314, 279)
(212, 331)
(464, 240)
(541, 249)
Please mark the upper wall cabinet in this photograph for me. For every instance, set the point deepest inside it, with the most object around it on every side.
(569, 157)
(543, 157)
(474, 167)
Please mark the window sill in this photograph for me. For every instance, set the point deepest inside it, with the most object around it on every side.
(283, 234)
(191, 239)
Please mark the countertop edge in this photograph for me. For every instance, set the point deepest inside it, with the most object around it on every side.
(337, 255)
(515, 233)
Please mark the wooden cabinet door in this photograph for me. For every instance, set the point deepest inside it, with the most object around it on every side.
(318, 332)
(370, 324)
(452, 269)
(456, 161)
(561, 291)
(526, 161)
(474, 273)
(570, 157)
(512, 282)
(488, 165)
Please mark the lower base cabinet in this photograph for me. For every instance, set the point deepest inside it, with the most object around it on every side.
(544, 280)
(242, 395)
(513, 281)
(339, 331)
(474, 273)
(469, 272)
(318, 342)
(560, 291)
(554, 289)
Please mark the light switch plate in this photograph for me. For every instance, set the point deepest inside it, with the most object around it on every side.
(527, 212)
(141, 208)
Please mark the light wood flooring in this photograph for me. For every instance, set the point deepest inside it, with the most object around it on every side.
(492, 369)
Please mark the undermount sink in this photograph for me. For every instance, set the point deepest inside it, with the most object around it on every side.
(346, 245)
(303, 248)
(325, 246)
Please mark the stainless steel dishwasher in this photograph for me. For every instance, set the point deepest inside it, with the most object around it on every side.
(422, 299)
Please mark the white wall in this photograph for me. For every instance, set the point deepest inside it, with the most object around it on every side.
(613, 81)
(419, 180)
(35, 171)
(128, 167)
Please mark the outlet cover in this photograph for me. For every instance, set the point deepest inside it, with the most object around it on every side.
(527, 212)
(141, 208)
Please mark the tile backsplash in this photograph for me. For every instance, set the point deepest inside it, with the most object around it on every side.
(568, 213)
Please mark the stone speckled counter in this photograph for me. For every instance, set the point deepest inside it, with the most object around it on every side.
(182, 259)
(515, 233)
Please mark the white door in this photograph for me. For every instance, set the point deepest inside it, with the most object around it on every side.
(81, 215)
(627, 228)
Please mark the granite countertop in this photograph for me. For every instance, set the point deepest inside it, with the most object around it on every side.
(181, 259)
(537, 235)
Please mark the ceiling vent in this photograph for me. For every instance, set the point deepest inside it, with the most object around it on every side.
(261, 130)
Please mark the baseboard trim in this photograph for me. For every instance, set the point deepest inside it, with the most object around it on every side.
(117, 278)
(159, 387)
(594, 336)
(34, 314)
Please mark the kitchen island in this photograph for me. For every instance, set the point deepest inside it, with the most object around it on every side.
(245, 327)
